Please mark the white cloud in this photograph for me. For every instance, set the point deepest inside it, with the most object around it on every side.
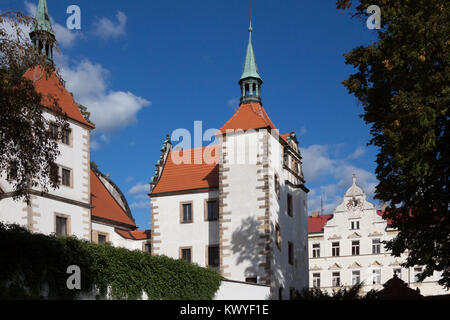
(105, 28)
(319, 164)
(139, 189)
(360, 151)
(141, 204)
(110, 110)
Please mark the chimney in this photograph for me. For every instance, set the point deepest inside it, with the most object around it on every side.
(107, 175)
(315, 214)
(383, 207)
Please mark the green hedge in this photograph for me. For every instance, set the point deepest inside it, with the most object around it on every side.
(28, 261)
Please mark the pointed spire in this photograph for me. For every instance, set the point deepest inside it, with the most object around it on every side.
(43, 18)
(250, 68)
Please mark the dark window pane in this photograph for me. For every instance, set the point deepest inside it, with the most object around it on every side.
(187, 212)
(213, 256)
(212, 210)
(53, 131)
(186, 255)
(148, 248)
(65, 137)
(61, 226)
(101, 238)
(66, 177)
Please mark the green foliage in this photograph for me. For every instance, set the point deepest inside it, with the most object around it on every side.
(403, 83)
(29, 261)
(342, 293)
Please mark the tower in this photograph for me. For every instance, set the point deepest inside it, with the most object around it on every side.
(250, 81)
(42, 34)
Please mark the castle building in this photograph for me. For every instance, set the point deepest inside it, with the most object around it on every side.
(346, 248)
(239, 205)
(87, 204)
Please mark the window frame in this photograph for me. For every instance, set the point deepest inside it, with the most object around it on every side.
(316, 251)
(206, 207)
(181, 253)
(356, 247)
(182, 204)
(68, 224)
(336, 249)
(208, 247)
(376, 245)
(376, 274)
(336, 275)
(316, 279)
(278, 236)
(356, 274)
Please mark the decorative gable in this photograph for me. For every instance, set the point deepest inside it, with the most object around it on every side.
(355, 265)
(335, 267)
(354, 235)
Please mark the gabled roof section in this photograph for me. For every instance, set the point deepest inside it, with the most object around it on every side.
(248, 116)
(316, 224)
(50, 87)
(134, 235)
(105, 206)
(189, 176)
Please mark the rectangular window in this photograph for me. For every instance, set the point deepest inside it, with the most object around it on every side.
(376, 276)
(186, 213)
(148, 248)
(186, 254)
(280, 293)
(277, 186)
(417, 270)
(278, 236)
(291, 253)
(316, 250)
(213, 256)
(336, 279)
(355, 248)
(356, 277)
(101, 238)
(335, 249)
(316, 280)
(65, 177)
(54, 131)
(65, 137)
(355, 225)
(212, 207)
(376, 246)
(398, 272)
(289, 205)
(61, 226)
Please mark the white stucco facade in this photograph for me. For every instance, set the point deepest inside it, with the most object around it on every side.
(71, 202)
(359, 231)
(251, 208)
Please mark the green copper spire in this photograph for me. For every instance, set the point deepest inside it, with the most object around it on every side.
(42, 34)
(250, 67)
(250, 81)
(43, 18)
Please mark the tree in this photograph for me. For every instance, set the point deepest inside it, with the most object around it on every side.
(28, 149)
(402, 81)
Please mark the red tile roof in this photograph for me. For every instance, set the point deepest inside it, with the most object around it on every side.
(134, 235)
(182, 177)
(105, 206)
(316, 224)
(51, 88)
(285, 136)
(249, 116)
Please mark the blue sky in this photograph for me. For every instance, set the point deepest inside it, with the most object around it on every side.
(146, 68)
